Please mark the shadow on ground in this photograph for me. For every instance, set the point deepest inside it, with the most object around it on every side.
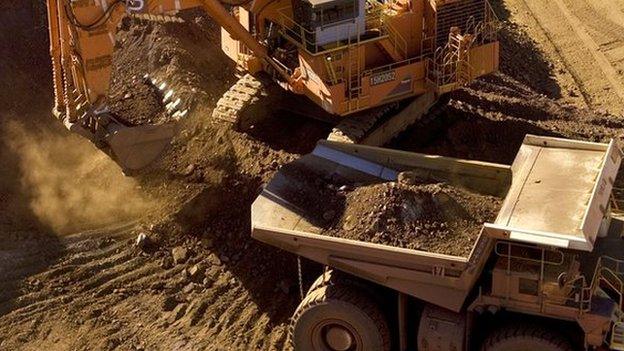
(520, 57)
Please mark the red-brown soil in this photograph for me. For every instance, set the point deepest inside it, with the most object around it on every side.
(96, 290)
(432, 217)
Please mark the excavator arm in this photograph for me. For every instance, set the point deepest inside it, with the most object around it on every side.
(82, 39)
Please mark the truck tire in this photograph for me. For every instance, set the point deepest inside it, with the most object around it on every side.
(320, 282)
(339, 318)
(525, 338)
(333, 277)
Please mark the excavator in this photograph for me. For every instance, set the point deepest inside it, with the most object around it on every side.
(373, 67)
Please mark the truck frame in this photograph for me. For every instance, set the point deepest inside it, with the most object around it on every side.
(546, 256)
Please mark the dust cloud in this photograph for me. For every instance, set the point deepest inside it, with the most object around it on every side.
(71, 185)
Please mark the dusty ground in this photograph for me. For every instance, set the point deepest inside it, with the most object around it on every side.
(583, 43)
(94, 289)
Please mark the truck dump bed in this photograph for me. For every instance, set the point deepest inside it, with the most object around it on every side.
(533, 190)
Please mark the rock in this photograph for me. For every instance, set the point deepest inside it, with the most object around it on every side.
(407, 178)
(169, 303)
(188, 288)
(177, 313)
(120, 291)
(214, 259)
(142, 240)
(349, 223)
(224, 259)
(180, 254)
(189, 169)
(196, 271)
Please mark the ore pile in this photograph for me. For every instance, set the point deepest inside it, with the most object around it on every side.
(429, 216)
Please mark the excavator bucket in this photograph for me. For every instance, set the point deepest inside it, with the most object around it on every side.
(135, 147)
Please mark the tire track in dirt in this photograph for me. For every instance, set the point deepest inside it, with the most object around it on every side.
(105, 271)
(600, 86)
(605, 65)
(95, 290)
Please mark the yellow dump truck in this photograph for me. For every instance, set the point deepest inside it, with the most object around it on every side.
(546, 274)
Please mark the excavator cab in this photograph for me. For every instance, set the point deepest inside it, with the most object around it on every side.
(327, 22)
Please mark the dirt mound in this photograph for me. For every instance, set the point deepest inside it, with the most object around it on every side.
(138, 102)
(488, 121)
(414, 214)
(435, 217)
(187, 57)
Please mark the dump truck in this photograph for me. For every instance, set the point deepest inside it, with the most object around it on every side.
(546, 274)
(371, 67)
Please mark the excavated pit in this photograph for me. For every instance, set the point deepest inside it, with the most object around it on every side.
(99, 291)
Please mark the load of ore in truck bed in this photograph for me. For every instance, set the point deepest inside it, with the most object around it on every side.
(428, 216)
(420, 214)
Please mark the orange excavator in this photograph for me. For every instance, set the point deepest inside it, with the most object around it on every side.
(374, 67)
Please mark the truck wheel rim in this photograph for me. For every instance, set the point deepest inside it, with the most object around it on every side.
(335, 335)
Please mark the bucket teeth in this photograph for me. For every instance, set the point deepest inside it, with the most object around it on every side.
(168, 96)
(157, 18)
(178, 115)
(173, 105)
